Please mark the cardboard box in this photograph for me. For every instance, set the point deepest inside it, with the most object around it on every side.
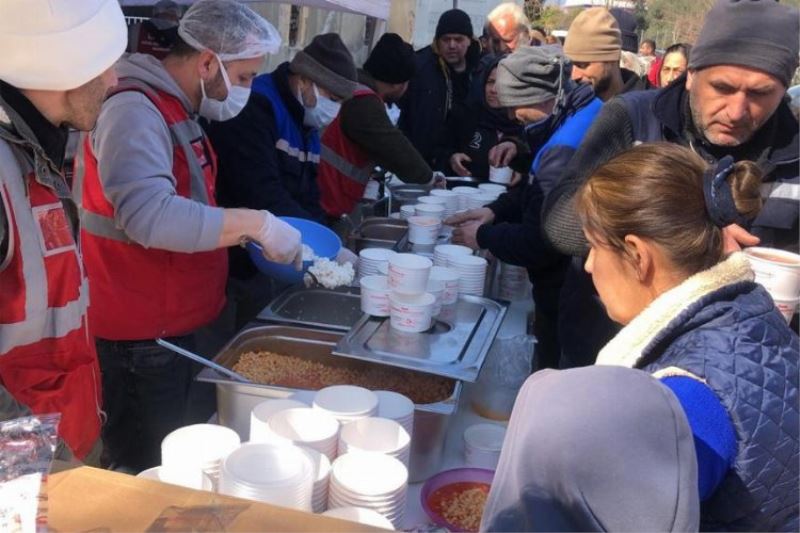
(90, 499)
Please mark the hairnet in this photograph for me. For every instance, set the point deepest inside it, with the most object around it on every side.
(229, 29)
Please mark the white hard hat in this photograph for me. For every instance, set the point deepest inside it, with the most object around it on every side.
(59, 45)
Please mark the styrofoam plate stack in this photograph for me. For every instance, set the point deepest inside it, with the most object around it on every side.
(442, 253)
(279, 474)
(397, 407)
(259, 416)
(369, 259)
(307, 427)
(199, 446)
(346, 402)
(322, 476)
(379, 435)
(472, 271)
(372, 480)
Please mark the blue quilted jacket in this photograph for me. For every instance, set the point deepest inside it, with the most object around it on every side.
(738, 343)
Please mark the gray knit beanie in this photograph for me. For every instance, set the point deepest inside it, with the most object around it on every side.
(529, 76)
(760, 34)
(327, 62)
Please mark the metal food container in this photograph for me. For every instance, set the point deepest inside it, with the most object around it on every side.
(236, 400)
(315, 307)
(407, 194)
(379, 232)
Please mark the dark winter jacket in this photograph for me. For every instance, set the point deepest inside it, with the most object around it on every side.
(516, 235)
(475, 132)
(267, 158)
(724, 330)
(434, 94)
(662, 115)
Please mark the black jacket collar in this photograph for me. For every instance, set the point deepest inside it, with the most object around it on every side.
(32, 126)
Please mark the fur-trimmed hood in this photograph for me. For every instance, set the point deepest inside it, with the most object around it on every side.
(631, 343)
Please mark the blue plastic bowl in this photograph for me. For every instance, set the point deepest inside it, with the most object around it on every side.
(321, 239)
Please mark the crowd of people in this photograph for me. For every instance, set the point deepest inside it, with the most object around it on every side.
(636, 180)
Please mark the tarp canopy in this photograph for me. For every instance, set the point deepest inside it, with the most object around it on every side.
(371, 8)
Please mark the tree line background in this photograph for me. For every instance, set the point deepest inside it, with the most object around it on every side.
(665, 21)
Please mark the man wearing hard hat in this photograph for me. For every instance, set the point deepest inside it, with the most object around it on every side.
(55, 68)
(154, 239)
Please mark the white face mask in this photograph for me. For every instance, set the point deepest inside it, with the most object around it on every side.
(233, 104)
(321, 114)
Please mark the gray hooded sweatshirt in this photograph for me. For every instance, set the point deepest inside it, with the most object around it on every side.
(133, 147)
(599, 448)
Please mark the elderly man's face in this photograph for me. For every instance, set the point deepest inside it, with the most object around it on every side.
(505, 36)
(730, 103)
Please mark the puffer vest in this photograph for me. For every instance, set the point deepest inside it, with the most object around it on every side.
(757, 382)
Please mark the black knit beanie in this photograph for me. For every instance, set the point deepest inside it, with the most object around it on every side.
(454, 21)
(327, 62)
(760, 34)
(392, 60)
(628, 28)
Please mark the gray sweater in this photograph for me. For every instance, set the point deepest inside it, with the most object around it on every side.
(133, 147)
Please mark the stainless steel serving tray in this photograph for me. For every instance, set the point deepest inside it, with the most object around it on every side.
(337, 309)
(309, 344)
(379, 232)
(236, 400)
(454, 347)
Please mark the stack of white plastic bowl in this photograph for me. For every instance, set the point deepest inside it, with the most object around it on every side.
(451, 198)
(307, 427)
(201, 447)
(259, 416)
(407, 211)
(483, 198)
(274, 473)
(472, 273)
(425, 229)
(346, 403)
(397, 407)
(492, 188)
(375, 434)
(375, 294)
(430, 210)
(361, 515)
(411, 307)
(372, 480)
(464, 194)
(513, 283)
(442, 253)
(436, 289)
(449, 277)
(369, 259)
(433, 200)
(322, 476)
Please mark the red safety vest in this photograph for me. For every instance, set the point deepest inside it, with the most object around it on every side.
(47, 356)
(140, 293)
(344, 167)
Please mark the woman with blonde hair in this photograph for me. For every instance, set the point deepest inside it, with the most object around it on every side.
(693, 317)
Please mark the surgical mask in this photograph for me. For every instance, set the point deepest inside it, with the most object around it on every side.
(233, 104)
(321, 114)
